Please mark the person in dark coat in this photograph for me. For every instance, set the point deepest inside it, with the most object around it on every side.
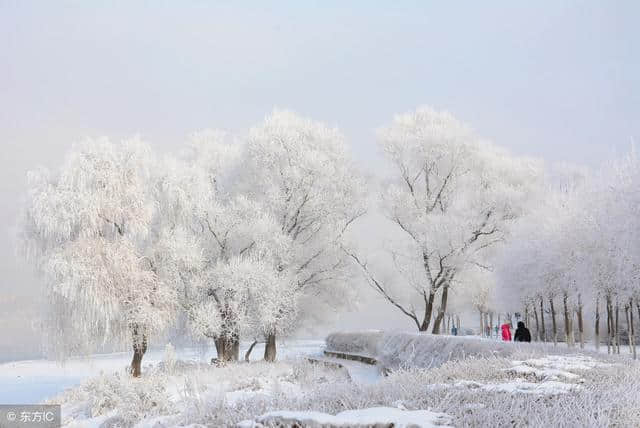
(522, 333)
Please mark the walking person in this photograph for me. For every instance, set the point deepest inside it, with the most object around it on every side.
(522, 333)
(506, 332)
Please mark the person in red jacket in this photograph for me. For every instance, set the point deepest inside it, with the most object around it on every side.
(506, 332)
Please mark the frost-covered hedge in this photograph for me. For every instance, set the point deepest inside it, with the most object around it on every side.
(409, 350)
(366, 343)
(395, 350)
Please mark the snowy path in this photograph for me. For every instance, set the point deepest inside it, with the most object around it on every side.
(33, 381)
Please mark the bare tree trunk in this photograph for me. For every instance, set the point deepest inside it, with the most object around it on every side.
(441, 310)
(458, 323)
(626, 317)
(597, 324)
(136, 362)
(220, 345)
(228, 342)
(487, 332)
(632, 330)
(228, 347)
(270, 348)
(580, 324)
(481, 324)
(535, 313)
(542, 327)
(572, 333)
(609, 326)
(566, 319)
(139, 349)
(248, 353)
(490, 324)
(616, 328)
(235, 348)
(554, 325)
(428, 309)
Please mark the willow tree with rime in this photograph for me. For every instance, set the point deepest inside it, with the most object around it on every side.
(88, 229)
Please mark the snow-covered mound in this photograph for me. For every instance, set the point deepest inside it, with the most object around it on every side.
(382, 417)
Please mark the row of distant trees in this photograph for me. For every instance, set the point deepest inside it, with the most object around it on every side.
(576, 256)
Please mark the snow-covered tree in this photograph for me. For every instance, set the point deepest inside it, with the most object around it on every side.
(301, 172)
(225, 251)
(615, 210)
(88, 227)
(477, 286)
(452, 197)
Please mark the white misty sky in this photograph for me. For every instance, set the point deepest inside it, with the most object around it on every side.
(554, 79)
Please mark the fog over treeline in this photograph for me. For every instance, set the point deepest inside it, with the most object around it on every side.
(555, 84)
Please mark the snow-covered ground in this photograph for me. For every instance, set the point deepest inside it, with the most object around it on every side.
(33, 381)
(521, 385)
(375, 416)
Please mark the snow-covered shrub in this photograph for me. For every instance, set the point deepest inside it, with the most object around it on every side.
(169, 358)
(199, 403)
(306, 374)
(179, 366)
(225, 395)
(410, 350)
(395, 350)
(132, 399)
